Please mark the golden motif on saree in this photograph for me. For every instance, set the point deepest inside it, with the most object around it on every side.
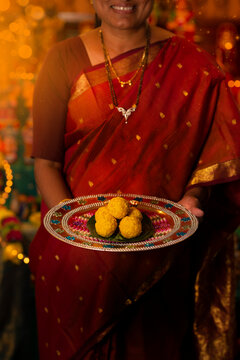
(227, 169)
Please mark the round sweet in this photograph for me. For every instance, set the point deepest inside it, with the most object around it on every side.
(101, 212)
(106, 226)
(130, 227)
(118, 207)
(135, 212)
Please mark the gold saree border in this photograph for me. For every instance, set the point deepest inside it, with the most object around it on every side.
(123, 66)
(215, 172)
(217, 344)
(81, 86)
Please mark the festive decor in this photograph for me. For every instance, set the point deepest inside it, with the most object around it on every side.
(162, 11)
(226, 55)
(6, 182)
(217, 10)
(226, 51)
(11, 237)
(181, 20)
(27, 30)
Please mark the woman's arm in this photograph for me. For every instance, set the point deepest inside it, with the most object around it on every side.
(195, 199)
(50, 181)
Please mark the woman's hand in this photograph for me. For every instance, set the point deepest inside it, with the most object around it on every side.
(192, 204)
(195, 199)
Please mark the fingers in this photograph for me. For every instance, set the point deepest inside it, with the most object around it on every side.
(199, 214)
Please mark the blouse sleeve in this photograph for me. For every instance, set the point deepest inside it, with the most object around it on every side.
(50, 108)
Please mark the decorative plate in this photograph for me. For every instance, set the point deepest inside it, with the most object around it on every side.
(171, 223)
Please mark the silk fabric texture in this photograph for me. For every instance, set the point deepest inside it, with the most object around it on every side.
(184, 132)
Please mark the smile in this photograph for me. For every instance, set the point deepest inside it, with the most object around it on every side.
(122, 8)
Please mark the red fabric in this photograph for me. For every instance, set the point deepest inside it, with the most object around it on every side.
(172, 135)
(186, 120)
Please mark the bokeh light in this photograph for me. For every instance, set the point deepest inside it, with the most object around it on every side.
(35, 12)
(23, 2)
(4, 5)
(8, 188)
(25, 51)
(228, 45)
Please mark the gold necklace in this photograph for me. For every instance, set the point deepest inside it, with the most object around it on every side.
(130, 81)
(125, 112)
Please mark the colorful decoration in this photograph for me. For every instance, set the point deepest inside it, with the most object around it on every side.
(6, 182)
(27, 31)
(181, 20)
(11, 237)
(226, 55)
(226, 50)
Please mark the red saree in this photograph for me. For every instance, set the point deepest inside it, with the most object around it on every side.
(173, 303)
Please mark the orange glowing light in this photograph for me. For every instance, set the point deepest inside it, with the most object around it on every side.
(26, 32)
(36, 12)
(25, 51)
(23, 2)
(228, 45)
(14, 27)
(7, 35)
(4, 5)
(231, 83)
(237, 83)
(30, 76)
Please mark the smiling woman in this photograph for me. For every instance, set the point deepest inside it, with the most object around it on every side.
(131, 108)
(119, 14)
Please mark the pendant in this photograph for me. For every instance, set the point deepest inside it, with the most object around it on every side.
(123, 83)
(126, 113)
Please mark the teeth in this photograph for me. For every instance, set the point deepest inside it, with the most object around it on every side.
(123, 8)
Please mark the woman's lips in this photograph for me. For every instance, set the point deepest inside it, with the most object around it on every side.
(125, 9)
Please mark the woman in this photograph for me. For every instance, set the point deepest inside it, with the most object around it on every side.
(132, 109)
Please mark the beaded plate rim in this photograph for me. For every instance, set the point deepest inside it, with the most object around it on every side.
(56, 222)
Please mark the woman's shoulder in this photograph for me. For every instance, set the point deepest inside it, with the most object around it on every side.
(68, 53)
(182, 46)
(195, 57)
(67, 46)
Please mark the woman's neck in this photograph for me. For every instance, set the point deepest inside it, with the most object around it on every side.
(118, 42)
(121, 41)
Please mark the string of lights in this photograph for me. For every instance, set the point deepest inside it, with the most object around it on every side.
(9, 183)
(14, 253)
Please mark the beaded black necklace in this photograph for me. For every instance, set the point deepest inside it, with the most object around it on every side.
(125, 112)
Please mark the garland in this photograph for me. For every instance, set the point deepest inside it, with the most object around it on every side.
(11, 237)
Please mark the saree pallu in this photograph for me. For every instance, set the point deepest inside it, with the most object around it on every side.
(173, 303)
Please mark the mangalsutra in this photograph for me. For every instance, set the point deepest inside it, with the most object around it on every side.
(126, 112)
(130, 81)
